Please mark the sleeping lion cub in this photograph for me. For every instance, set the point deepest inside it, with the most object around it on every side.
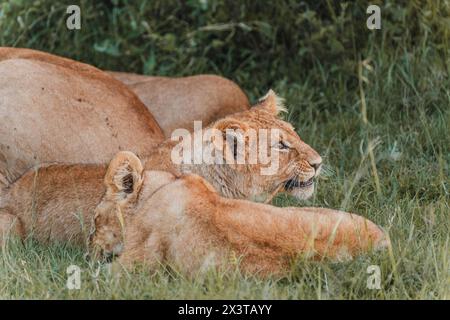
(184, 222)
(153, 217)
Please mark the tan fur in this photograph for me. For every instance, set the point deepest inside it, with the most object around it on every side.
(53, 203)
(58, 110)
(178, 102)
(183, 221)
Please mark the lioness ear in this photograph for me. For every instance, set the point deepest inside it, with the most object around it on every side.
(123, 178)
(233, 133)
(272, 103)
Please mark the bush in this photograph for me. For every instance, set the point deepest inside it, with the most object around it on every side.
(256, 43)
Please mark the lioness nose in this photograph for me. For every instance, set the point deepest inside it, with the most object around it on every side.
(316, 163)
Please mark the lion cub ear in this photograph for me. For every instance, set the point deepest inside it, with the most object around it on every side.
(271, 103)
(123, 178)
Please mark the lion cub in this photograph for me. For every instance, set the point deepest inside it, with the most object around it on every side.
(184, 222)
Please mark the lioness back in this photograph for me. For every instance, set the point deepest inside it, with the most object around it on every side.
(56, 202)
(178, 102)
(54, 109)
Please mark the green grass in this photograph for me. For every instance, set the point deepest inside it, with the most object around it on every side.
(392, 168)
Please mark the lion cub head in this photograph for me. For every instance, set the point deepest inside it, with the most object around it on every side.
(123, 181)
(127, 186)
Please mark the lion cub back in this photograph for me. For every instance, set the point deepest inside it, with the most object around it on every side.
(56, 202)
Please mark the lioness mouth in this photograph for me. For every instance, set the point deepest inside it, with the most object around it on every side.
(294, 183)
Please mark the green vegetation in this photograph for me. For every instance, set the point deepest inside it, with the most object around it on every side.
(376, 104)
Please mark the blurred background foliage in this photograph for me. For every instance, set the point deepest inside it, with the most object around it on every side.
(255, 43)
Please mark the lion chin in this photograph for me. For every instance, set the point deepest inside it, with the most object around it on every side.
(302, 190)
(298, 189)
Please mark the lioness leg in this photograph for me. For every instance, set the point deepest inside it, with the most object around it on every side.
(10, 225)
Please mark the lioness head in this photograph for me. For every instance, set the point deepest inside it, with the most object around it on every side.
(255, 155)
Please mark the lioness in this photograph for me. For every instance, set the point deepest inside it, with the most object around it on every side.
(54, 109)
(178, 102)
(182, 221)
(296, 164)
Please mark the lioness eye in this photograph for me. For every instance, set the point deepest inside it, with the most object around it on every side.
(282, 145)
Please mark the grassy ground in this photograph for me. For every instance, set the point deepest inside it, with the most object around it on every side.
(383, 127)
